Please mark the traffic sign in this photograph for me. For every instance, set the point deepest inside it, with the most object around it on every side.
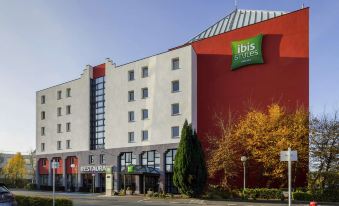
(284, 156)
(55, 165)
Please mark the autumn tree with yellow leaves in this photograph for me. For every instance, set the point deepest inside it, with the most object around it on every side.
(261, 135)
(15, 169)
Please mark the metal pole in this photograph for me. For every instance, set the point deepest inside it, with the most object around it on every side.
(53, 169)
(244, 175)
(289, 176)
(93, 179)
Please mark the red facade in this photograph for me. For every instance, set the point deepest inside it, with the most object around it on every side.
(99, 71)
(69, 161)
(283, 78)
(43, 164)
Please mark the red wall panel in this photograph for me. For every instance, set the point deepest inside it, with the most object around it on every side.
(43, 169)
(69, 169)
(99, 71)
(283, 78)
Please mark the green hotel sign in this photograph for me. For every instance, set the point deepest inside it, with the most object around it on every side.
(247, 51)
(130, 168)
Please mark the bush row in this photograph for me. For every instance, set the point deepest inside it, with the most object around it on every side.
(41, 201)
(320, 196)
(264, 193)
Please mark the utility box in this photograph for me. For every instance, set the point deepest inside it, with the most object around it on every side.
(109, 182)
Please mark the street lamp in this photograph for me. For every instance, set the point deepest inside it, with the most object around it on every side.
(243, 160)
(76, 180)
(93, 179)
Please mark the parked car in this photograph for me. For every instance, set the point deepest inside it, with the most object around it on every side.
(6, 197)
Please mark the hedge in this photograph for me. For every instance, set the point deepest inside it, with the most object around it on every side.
(320, 196)
(41, 201)
(264, 193)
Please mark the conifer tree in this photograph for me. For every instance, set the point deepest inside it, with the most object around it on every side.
(189, 168)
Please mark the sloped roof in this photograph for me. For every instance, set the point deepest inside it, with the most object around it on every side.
(237, 19)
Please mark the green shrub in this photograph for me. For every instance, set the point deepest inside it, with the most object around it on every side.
(263, 193)
(41, 201)
(302, 196)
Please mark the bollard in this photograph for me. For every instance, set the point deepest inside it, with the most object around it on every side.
(313, 203)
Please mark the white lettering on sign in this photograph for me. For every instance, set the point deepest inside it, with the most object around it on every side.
(101, 168)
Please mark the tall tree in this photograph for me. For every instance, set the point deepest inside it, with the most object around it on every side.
(15, 169)
(189, 167)
(224, 152)
(266, 133)
(324, 150)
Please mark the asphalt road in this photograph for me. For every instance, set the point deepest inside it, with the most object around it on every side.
(85, 199)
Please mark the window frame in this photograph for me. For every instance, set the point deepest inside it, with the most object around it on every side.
(59, 94)
(59, 145)
(68, 92)
(143, 137)
(68, 144)
(172, 63)
(131, 114)
(131, 93)
(172, 109)
(143, 73)
(142, 114)
(130, 77)
(172, 133)
(68, 109)
(43, 99)
(142, 93)
(172, 84)
(129, 137)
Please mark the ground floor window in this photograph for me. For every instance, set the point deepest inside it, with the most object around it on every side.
(43, 179)
(127, 158)
(169, 164)
(169, 185)
(72, 181)
(58, 180)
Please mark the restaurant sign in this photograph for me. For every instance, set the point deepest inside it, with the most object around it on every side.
(92, 168)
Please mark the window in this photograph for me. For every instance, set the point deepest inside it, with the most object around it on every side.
(90, 159)
(144, 114)
(175, 86)
(131, 116)
(59, 128)
(144, 92)
(144, 135)
(68, 127)
(130, 136)
(68, 92)
(144, 72)
(42, 147)
(43, 161)
(175, 109)
(130, 75)
(59, 111)
(59, 96)
(59, 145)
(151, 159)
(43, 115)
(43, 99)
(169, 165)
(68, 144)
(130, 96)
(68, 109)
(175, 132)
(127, 158)
(42, 131)
(175, 63)
(102, 159)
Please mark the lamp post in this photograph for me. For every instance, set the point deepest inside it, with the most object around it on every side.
(243, 160)
(93, 180)
(73, 167)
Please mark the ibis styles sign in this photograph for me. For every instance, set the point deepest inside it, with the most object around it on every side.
(246, 52)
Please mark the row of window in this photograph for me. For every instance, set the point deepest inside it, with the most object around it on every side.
(102, 159)
(59, 95)
(144, 134)
(59, 128)
(59, 145)
(144, 70)
(59, 112)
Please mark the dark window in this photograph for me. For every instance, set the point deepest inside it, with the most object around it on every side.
(169, 164)
(59, 95)
(97, 113)
(42, 131)
(68, 127)
(127, 158)
(43, 115)
(144, 135)
(44, 161)
(175, 86)
(42, 147)
(102, 159)
(130, 136)
(43, 99)
(59, 111)
(130, 75)
(68, 144)
(131, 116)
(144, 92)
(144, 114)
(144, 72)
(90, 159)
(175, 132)
(130, 96)
(151, 159)
(68, 92)
(59, 128)
(175, 109)
(175, 63)
(59, 145)
(68, 109)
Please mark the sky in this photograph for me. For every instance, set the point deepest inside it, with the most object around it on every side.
(43, 43)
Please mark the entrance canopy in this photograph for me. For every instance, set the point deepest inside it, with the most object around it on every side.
(140, 170)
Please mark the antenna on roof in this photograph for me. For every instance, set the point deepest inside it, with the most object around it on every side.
(302, 5)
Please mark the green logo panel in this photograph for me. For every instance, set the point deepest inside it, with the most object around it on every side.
(246, 52)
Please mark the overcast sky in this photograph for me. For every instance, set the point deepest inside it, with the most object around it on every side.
(43, 43)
